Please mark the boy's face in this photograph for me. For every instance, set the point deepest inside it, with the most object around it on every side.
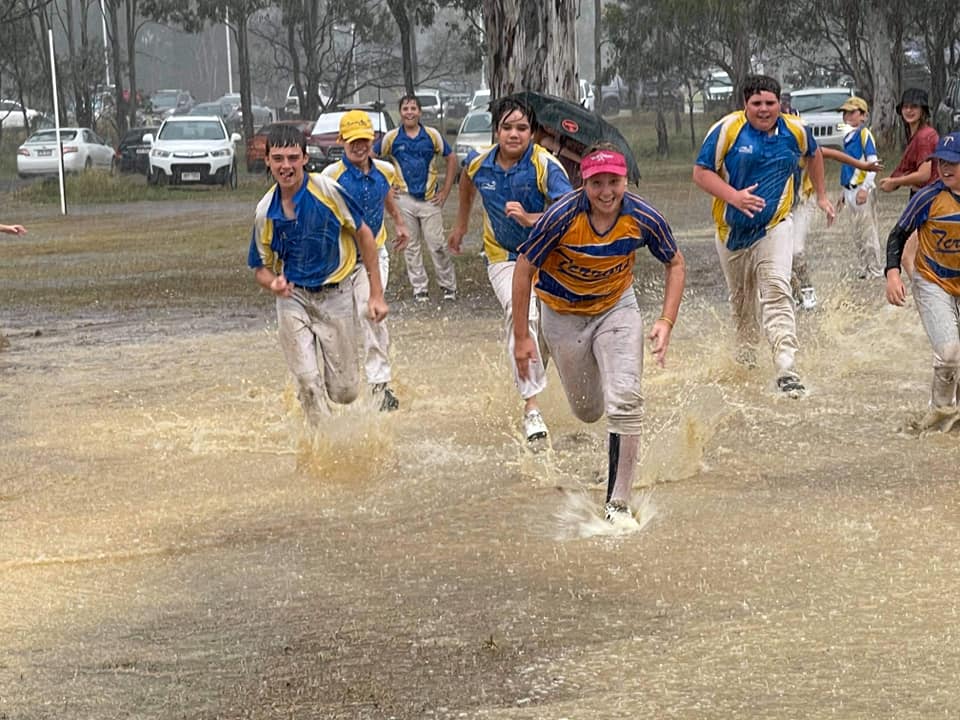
(762, 109)
(358, 151)
(514, 134)
(287, 166)
(949, 173)
(410, 113)
(853, 118)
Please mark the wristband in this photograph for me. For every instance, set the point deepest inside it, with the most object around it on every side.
(667, 320)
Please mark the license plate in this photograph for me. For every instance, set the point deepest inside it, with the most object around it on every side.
(143, 151)
(44, 153)
(190, 176)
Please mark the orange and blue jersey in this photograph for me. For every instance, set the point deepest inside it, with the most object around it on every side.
(934, 212)
(535, 180)
(317, 247)
(583, 272)
(743, 156)
(413, 157)
(858, 144)
(369, 190)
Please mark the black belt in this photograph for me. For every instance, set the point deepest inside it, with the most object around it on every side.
(850, 187)
(318, 288)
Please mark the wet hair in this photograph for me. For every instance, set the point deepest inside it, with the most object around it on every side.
(409, 98)
(503, 107)
(753, 84)
(286, 136)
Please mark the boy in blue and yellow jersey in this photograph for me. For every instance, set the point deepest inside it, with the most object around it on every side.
(306, 235)
(934, 213)
(858, 187)
(369, 182)
(582, 252)
(747, 162)
(413, 149)
(517, 180)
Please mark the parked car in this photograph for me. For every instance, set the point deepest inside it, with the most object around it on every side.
(431, 107)
(819, 109)
(946, 117)
(257, 143)
(587, 96)
(133, 152)
(261, 116)
(83, 150)
(292, 104)
(476, 133)
(221, 110)
(322, 146)
(164, 103)
(12, 112)
(193, 149)
(717, 90)
(480, 100)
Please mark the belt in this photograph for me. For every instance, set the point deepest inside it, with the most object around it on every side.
(850, 186)
(319, 288)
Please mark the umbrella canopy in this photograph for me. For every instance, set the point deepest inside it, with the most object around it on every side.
(571, 122)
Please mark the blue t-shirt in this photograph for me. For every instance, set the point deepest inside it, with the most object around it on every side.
(413, 158)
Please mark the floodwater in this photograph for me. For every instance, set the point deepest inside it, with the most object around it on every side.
(175, 544)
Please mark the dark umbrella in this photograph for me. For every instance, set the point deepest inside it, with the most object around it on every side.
(576, 127)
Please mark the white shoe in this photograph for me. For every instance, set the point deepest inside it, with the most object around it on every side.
(808, 298)
(534, 426)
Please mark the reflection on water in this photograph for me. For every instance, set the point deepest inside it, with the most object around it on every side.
(175, 541)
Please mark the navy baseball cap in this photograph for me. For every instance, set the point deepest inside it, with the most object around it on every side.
(948, 148)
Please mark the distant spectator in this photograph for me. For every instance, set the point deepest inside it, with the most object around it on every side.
(786, 105)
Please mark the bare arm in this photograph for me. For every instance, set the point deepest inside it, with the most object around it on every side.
(675, 274)
(393, 210)
(524, 348)
(918, 178)
(816, 173)
(451, 175)
(842, 157)
(467, 192)
(744, 200)
(13, 229)
(377, 306)
(269, 280)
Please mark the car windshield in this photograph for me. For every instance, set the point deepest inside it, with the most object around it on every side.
(192, 130)
(205, 109)
(478, 123)
(428, 100)
(164, 100)
(827, 102)
(330, 122)
(49, 136)
(133, 136)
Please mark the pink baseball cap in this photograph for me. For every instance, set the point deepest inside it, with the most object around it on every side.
(603, 161)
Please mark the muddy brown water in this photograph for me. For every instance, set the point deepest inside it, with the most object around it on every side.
(174, 544)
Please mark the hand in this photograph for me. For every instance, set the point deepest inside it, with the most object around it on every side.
(875, 166)
(515, 210)
(402, 238)
(13, 229)
(748, 203)
(862, 196)
(888, 184)
(280, 286)
(827, 207)
(377, 308)
(524, 353)
(439, 198)
(896, 292)
(456, 240)
(660, 337)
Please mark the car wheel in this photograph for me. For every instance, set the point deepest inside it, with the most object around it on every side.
(88, 164)
(151, 177)
(113, 167)
(611, 106)
(230, 179)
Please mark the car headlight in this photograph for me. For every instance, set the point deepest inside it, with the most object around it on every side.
(156, 152)
(220, 153)
(314, 151)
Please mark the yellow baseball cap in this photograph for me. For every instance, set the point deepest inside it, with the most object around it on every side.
(856, 103)
(356, 125)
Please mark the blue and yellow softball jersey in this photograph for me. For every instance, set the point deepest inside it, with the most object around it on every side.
(369, 190)
(413, 158)
(317, 248)
(742, 156)
(934, 212)
(535, 179)
(858, 144)
(583, 272)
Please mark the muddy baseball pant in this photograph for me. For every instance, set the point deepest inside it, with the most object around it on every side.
(318, 336)
(940, 314)
(424, 220)
(600, 362)
(863, 228)
(375, 337)
(501, 279)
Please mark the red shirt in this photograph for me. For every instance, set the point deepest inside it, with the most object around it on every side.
(917, 152)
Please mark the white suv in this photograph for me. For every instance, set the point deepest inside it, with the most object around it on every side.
(819, 109)
(193, 149)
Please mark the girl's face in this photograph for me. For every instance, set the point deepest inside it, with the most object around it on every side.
(950, 174)
(514, 134)
(911, 113)
(605, 192)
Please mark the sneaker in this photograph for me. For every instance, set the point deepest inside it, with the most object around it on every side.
(388, 401)
(422, 296)
(808, 298)
(791, 386)
(616, 510)
(449, 294)
(534, 426)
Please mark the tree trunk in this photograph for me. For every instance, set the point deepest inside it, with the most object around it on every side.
(883, 114)
(537, 47)
(114, 34)
(398, 9)
(243, 68)
(130, 8)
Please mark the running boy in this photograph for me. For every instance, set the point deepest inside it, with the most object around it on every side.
(582, 252)
(858, 187)
(932, 212)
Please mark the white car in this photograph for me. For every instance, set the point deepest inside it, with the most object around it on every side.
(819, 109)
(193, 149)
(476, 133)
(11, 115)
(82, 150)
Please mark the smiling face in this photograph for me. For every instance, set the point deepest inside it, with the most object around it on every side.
(949, 173)
(853, 118)
(762, 109)
(605, 193)
(911, 113)
(286, 164)
(514, 134)
(358, 152)
(410, 113)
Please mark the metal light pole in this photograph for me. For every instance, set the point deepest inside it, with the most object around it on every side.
(226, 27)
